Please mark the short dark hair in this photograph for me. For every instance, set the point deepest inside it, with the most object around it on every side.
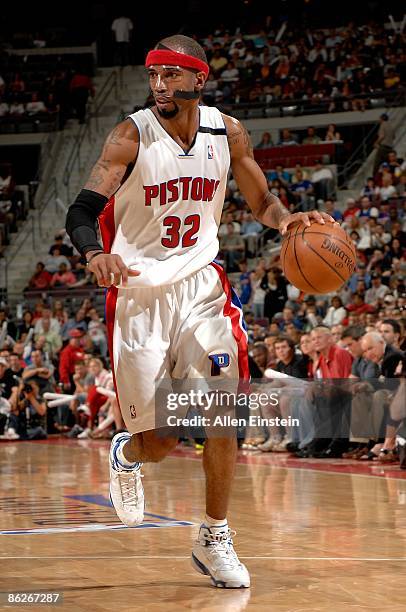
(396, 327)
(281, 339)
(354, 331)
(183, 44)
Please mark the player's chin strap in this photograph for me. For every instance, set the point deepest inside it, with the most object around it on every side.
(169, 57)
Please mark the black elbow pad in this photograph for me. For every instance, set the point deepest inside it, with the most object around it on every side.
(81, 220)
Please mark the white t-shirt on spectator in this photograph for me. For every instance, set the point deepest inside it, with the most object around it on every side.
(223, 231)
(387, 192)
(53, 327)
(319, 175)
(4, 109)
(36, 107)
(122, 27)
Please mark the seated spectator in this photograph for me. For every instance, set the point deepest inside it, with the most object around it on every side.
(233, 247)
(28, 416)
(97, 332)
(250, 230)
(52, 262)
(228, 217)
(329, 207)
(17, 109)
(279, 174)
(332, 135)
(336, 313)
(26, 325)
(288, 361)
(303, 191)
(4, 108)
(63, 278)
(366, 209)
(265, 142)
(69, 356)
(299, 174)
(287, 138)
(41, 279)
(35, 106)
(275, 286)
(288, 316)
(8, 326)
(370, 189)
(358, 305)
(78, 321)
(49, 339)
(40, 371)
(351, 209)
(218, 62)
(323, 181)
(230, 74)
(377, 291)
(59, 245)
(59, 312)
(387, 190)
(311, 137)
(46, 315)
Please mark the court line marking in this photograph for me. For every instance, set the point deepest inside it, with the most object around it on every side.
(271, 558)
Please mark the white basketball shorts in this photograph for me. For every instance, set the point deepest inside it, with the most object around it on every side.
(191, 329)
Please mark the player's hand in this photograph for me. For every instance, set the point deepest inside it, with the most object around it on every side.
(110, 270)
(306, 218)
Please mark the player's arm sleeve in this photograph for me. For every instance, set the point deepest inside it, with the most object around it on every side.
(119, 151)
(265, 206)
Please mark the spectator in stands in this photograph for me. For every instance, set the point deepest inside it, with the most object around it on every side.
(387, 190)
(63, 278)
(7, 380)
(288, 361)
(332, 135)
(35, 106)
(287, 138)
(323, 181)
(358, 305)
(303, 191)
(97, 331)
(49, 340)
(369, 190)
(351, 209)
(311, 137)
(391, 332)
(288, 316)
(4, 108)
(28, 417)
(329, 207)
(52, 262)
(384, 142)
(274, 286)
(228, 218)
(265, 142)
(230, 74)
(77, 321)
(46, 315)
(80, 87)
(279, 174)
(250, 230)
(69, 356)
(41, 279)
(17, 109)
(40, 371)
(336, 313)
(8, 326)
(218, 62)
(59, 245)
(377, 292)
(233, 247)
(122, 28)
(26, 325)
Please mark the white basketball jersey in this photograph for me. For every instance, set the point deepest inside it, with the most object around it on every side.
(163, 221)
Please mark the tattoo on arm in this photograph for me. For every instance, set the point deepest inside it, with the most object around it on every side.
(239, 135)
(272, 211)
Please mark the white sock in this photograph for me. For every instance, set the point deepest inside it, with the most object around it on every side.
(211, 522)
(121, 457)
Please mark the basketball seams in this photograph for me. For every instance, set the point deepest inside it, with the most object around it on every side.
(321, 257)
(298, 264)
(329, 236)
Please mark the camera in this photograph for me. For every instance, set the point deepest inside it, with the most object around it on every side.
(27, 388)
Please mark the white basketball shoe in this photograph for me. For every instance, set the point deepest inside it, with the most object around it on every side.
(126, 490)
(214, 555)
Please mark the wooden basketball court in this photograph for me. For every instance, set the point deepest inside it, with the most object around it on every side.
(315, 535)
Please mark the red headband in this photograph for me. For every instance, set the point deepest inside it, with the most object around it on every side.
(173, 58)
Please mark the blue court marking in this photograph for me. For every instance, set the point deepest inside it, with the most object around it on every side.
(100, 500)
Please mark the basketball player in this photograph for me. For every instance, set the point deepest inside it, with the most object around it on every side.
(157, 192)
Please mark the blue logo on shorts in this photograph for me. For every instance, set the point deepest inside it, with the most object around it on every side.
(221, 360)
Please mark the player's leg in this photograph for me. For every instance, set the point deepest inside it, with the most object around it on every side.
(137, 323)
(213, 346)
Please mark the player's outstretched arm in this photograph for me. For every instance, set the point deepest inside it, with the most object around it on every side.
(266, 207)
(119, 151)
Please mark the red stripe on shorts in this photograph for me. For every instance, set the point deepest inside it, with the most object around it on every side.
(232, 311)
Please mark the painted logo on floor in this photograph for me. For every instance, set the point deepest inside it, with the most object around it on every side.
(72, 514)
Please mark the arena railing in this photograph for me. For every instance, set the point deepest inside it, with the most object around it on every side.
(297, 107)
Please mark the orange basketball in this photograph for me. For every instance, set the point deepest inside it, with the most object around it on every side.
(317, 258)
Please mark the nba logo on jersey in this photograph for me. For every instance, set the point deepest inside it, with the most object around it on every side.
(210, 152)
(221, 360)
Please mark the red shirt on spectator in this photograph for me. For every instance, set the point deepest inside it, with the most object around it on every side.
(337, 364)
(40, 280)
(69, 356)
